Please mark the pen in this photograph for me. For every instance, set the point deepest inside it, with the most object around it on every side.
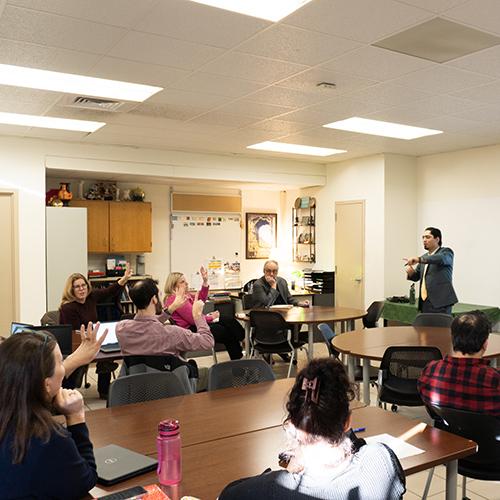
(359, 429)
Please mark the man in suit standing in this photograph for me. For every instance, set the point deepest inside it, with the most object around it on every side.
(435, 272)
(271, 289)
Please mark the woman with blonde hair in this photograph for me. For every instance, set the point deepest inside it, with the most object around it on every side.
(225, 330)
(79, 307)
(38, 457)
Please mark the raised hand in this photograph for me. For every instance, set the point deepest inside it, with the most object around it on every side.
(204, 275)
(197, 307)
(126, 276)
(180, 299)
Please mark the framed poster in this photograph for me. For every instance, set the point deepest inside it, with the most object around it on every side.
(260, 235)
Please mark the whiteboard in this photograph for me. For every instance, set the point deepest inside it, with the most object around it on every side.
(197, 238)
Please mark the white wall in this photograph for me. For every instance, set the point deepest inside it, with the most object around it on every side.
(459, 193)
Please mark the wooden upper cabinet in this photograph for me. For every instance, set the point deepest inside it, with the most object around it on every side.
(97, 224)
(130, 227)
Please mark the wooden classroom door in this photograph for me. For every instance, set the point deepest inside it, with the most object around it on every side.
(8, 290)
(350, 254)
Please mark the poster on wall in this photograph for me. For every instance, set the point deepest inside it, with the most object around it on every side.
(260, 235)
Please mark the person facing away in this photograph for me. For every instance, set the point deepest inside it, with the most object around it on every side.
(271, 289)
(324, 459)
(38, 457)
(147, 334)
(225, 330)
(464, 380)
(435, 272)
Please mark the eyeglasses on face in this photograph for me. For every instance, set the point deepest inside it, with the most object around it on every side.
(77, 287)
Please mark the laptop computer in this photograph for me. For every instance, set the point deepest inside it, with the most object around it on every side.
(63, 335)
(115, 464)
(18, 327)
(110, 343)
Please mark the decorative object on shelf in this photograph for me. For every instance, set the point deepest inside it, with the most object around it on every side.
(260, 235)
(102, 191)
(50, 196)
(137, 194)
(304, 229)
(65, 194)
(126, 195)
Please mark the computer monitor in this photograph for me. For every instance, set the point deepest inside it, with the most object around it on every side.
(63, 335)
(18, 327)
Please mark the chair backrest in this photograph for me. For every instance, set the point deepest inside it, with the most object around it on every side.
(50, 318)
(144, 387)
(433, 319)
(247, 287)
(238, 373)
(373, 314)
(407, 362)
(328, 335)
(479, 427)
(268, 327)
(247, 300)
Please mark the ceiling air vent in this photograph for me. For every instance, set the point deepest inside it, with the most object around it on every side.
(95, 103)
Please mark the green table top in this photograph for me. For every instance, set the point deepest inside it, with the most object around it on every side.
(406, 313)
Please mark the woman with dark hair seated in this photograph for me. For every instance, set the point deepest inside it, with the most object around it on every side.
(38, 457)
(325, 460)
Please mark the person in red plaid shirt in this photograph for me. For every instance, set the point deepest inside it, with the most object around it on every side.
(464, 381)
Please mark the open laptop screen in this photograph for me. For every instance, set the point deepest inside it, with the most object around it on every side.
(63, 335)
(111, 336)
(18, 327)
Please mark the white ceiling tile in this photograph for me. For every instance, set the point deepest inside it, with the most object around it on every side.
(485, 93)
(361, 20)
(57, 31)
(258, 110)
(123, 13)
(44, 57)
(200, 23)
(442, 79)
(387, 94)
(223, 118)
(436, 6)
(279, 126)
(297, 45)
(154, 49)
(20, 94)
(291, 97)
(253, 68)
(482, 14)
(487, 114)
(170, 111)
(217, 84)
(308, 80)
(375, 63)
(25, 108)
(13, 130)
(137, 72)
(486, 62)
(55, 135)
(181, 97)
(451, 124)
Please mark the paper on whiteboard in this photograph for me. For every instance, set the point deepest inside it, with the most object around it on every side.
(401, 448)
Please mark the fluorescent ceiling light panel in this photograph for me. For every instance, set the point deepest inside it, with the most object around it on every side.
(50, 122)
(384, 129)
(19, 76)
(271, 10)
(298, 149)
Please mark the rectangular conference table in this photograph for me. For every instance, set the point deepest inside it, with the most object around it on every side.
(235, 433)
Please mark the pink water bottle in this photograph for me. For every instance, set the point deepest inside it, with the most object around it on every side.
(168, 443)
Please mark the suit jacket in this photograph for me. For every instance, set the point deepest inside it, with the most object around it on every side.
(438, 279)
(265, 296)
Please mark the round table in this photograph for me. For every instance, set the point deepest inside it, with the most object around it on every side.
(310, 316)
(371, 343)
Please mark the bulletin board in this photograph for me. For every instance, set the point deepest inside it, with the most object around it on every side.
(197, 238)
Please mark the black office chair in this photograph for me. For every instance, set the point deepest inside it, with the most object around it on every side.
(270, 334)
(247, 287)
(399, 371)
(238, 373)
(433, 319)
(478, 427)
(373, 314)
(246, 300)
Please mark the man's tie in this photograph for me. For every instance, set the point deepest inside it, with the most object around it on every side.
(423, 288)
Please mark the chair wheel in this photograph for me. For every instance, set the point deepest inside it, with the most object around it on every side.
(87, 385)
(394, 408)
(294, 362)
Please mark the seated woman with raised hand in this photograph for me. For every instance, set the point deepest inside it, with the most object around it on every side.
(325, 460)
(38, 457)
(225, 330)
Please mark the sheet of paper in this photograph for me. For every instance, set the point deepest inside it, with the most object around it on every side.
(401, 448)
(282, 306)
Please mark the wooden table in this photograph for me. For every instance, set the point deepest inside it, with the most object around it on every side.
(209, 466)
(371, 343)
(310, 316)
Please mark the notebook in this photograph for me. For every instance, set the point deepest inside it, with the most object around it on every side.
(110, 343)
(115, 464)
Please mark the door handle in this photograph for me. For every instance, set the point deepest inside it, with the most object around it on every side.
(358, 280)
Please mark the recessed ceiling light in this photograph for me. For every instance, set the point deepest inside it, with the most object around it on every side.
(384, 129)
(283, 147)
(50, 122)
(271, 10)
(68, 83)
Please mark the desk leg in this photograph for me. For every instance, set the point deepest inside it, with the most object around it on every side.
(451, 480)
(247, 339)
(366, 381)
(352, 325)
(351, 361)
(310, 346)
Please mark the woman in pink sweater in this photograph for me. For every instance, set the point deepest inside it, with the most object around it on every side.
(225, 330)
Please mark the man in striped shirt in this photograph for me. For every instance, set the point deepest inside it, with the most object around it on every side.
(464, 381)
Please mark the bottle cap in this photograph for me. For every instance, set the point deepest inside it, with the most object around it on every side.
(168, 428)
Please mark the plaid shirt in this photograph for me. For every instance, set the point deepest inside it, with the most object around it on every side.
(461, 383)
